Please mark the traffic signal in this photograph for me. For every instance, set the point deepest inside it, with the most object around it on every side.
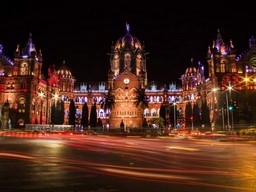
(230, 107)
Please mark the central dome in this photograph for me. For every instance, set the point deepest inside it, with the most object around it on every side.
(128, 41)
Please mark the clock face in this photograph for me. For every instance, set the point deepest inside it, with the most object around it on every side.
(126, 80)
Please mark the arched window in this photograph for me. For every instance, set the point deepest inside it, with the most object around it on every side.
(24, 68)
(153, 112)
(21, 105)
(146, 112)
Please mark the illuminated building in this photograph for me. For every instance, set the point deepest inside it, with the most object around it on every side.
(31, 96)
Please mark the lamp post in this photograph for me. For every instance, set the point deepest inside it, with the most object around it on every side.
(230, 108)
(41, 94)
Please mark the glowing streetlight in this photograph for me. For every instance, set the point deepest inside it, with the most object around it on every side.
(230, 107)
(55, 97)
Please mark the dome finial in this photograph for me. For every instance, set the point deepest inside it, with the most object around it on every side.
(127, 28)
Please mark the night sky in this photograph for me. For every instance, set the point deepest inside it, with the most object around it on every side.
(82, 33)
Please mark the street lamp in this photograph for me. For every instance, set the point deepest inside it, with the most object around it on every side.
(230, 107)
(41, 95)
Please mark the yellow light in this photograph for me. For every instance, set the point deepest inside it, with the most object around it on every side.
(55, 96)
(41, 94)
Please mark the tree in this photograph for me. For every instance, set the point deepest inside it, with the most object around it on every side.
(72, 113)
(145, 123)
(205, 114)
(93, 116)
(57, 113)
(61, 112)
(162, 114)
(188, 114)
(53, 113)
(141, 98)
(84, 119)
(196, 115)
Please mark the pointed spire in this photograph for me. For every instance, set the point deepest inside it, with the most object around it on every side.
(213, 44)
(209, 50)
(219, 37)
(231, 44)
(17, 51)
(219, 42)
(30, 43)
(40, 55)
(127, 28)
(17, 48)
(192, 61)
(29, 47)
(1, 49)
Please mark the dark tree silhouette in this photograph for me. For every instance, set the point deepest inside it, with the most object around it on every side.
(197, 115)
(162, 114)
(188, 114)
(93, 116)
(85, 115)
(72, 113)
(144, 123)
(57, 113)
(53, 114)
(141, 98)
(61, 112)
(99, 123)
(205, 115)
(173, 115)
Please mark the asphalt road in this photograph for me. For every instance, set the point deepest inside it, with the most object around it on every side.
(92, 163)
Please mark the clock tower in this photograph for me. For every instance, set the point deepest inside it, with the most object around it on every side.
(127, 77)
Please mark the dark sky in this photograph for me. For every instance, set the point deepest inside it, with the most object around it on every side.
(81, 33)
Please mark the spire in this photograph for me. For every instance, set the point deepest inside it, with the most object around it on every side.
(29, 47)
(219, 42)
(17, 48)
(219, 37)
(1, 49)
(192, 62)
(209, 50)
(17, 51)
(127, 28)
(30, 43)
(231, 44)
(40, 55)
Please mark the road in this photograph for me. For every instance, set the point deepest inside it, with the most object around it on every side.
(91, 163)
